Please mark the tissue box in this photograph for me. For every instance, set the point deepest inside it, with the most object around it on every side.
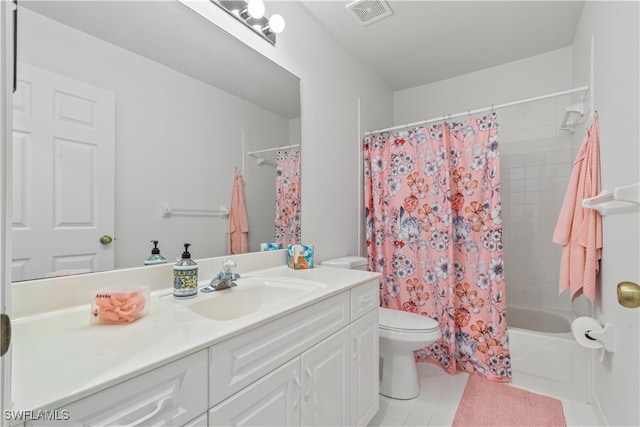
(120, 304)
(300, 256)
(270, 246)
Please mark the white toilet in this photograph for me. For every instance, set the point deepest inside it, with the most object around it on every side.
(401, 333)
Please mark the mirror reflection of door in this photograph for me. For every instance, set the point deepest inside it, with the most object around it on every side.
(63, 176)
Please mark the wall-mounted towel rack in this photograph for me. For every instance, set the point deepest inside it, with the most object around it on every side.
(620, 200)
(262, 161)
(167, 211)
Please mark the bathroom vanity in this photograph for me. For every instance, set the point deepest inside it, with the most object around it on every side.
(306, 357)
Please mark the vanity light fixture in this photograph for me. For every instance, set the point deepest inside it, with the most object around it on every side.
(252, 14)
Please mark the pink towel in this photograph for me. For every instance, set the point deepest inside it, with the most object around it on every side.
(238, 222)
(579, 230)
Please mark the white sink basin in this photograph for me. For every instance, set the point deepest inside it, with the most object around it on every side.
(252, 295)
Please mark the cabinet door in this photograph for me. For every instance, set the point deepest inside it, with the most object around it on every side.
(272, 401)
(364, 369)
(325, 381)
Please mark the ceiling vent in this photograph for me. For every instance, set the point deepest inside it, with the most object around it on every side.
(369, 11)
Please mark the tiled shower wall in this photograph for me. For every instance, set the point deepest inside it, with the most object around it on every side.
(536, 158)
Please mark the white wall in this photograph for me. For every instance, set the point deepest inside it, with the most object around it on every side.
(529, 77)
(178, 140)
(332, 82)
(536, 159)
(614, 27)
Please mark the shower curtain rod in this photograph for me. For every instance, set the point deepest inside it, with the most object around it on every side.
(266, 150)
(480, 110)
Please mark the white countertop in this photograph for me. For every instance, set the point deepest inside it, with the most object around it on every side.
(60, 357)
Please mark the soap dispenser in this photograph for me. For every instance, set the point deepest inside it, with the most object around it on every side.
(155, 257)
(185, 276)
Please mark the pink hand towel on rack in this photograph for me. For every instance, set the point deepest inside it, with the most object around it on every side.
(579, 230)
(238, 222)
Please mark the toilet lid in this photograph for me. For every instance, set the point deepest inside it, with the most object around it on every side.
(398, 320)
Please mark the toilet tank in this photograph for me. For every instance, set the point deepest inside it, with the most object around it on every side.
(351, 262)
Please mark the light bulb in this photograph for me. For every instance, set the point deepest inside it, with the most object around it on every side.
(276, 23)
(256, 8)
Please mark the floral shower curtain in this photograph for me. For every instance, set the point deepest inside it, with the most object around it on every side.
(434, 231)
(287, 228)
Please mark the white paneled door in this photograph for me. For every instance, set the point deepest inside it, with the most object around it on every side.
(63, 176)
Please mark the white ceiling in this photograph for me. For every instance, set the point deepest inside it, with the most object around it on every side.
(427, 41)
(421, 42)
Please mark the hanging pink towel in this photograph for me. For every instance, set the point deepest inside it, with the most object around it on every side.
(579, 230)
(238, 222)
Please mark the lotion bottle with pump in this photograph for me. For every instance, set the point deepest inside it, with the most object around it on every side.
(185, 276)
(155, 257)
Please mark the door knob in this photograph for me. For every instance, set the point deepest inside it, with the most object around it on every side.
(5, 333)
(105, 240)
(629, 294)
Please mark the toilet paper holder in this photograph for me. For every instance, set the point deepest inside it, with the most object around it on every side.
(594, 334)
(605, 336)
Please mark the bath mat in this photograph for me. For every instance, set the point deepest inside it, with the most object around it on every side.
(487, 403)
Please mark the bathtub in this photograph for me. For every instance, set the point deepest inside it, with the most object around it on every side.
(545, 358)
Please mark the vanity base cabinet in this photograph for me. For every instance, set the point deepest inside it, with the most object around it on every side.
(315, 366)
(328, 367)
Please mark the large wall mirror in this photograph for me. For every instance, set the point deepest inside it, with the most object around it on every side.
(125, 108)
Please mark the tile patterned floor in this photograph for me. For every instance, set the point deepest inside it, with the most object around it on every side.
(438, 400)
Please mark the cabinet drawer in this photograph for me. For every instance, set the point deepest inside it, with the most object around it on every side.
(241, 360)
(173, 394)
(364, 298)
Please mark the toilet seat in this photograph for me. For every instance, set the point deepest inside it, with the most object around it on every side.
(403, 321)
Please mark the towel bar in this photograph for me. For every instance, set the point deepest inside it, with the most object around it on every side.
(620, 200)
(166, 211)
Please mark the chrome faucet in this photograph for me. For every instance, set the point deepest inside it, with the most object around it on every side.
(224, 279)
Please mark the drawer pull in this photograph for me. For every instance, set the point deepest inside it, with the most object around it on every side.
(366, 299)
(158, 407)
(152, 414)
